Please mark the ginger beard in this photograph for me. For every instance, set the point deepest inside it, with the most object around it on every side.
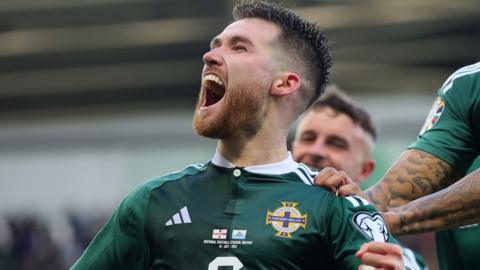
(242, 111)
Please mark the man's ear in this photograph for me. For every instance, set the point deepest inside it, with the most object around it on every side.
(367, 169)
(285, 84)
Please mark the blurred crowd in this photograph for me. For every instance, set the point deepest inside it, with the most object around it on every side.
(32, 241)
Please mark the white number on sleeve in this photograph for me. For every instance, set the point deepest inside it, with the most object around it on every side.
(225, 261)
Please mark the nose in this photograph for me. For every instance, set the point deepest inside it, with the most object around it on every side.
(318, 150)
(213, 58)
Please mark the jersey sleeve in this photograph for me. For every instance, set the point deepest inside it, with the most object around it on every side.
(121, 243)
(417, 261)
(450, 128)
(353, 221)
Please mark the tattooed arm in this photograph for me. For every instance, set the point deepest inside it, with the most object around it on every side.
(415, 174)
(410, 197)
(409, 194)
(451, 207)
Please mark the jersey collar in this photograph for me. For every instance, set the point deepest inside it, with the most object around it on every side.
(285, 166)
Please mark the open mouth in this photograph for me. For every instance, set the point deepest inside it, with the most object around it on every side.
(214, 89)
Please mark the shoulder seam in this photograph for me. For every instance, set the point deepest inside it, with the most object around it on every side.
(464, 71)
(179, 174)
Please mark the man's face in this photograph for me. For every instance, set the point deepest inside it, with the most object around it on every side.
(326, 138)
(236, 79)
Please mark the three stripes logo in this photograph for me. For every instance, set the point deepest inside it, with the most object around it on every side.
(181, 217)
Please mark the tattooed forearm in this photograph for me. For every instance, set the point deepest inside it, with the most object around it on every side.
(414, 174)
(454, 206)
(421, 184)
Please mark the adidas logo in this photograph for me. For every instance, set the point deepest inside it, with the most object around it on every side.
(181, 217)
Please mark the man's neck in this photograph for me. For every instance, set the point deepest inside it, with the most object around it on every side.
(255, 151)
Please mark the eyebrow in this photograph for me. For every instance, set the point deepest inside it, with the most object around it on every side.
(341, 139)
(233, 40)
(308, 132)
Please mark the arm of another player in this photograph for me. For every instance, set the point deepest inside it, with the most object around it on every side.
(451, 207)
(415, 174)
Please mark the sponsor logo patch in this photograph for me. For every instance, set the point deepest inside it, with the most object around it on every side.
(371, 225)
(286, 219)
(434, 114)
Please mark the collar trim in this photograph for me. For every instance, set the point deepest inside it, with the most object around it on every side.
(285, 166)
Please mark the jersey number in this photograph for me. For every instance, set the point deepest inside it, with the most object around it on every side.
(225, 261)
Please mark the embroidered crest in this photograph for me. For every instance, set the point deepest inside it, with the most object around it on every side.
(435, 113)
(286, 219)
(371, 225)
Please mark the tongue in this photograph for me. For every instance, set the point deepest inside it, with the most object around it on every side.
(214, 92)
(212, 98)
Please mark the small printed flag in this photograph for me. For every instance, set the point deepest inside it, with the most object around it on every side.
(219, 234)
(239, 234)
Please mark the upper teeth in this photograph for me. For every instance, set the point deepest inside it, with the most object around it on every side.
(214, 78)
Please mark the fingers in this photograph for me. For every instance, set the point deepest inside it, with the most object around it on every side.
(338, 182)
(331, 179)
(350, 189)
(381, 256)
(380, 248)
(361, 251)
(382, 261)
(366, 267)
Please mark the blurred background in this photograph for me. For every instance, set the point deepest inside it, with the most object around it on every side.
(96, 96)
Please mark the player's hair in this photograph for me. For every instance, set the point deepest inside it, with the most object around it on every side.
(301, 39)
(335, 99)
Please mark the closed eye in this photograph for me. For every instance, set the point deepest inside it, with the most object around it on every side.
(338, 143)
(307, 137)
(239, 48)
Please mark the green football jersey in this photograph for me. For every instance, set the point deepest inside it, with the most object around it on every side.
(416, 260)
(452, 133)
(218, 216)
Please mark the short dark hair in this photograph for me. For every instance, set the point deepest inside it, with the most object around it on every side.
(335, 99)
(300, 37)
